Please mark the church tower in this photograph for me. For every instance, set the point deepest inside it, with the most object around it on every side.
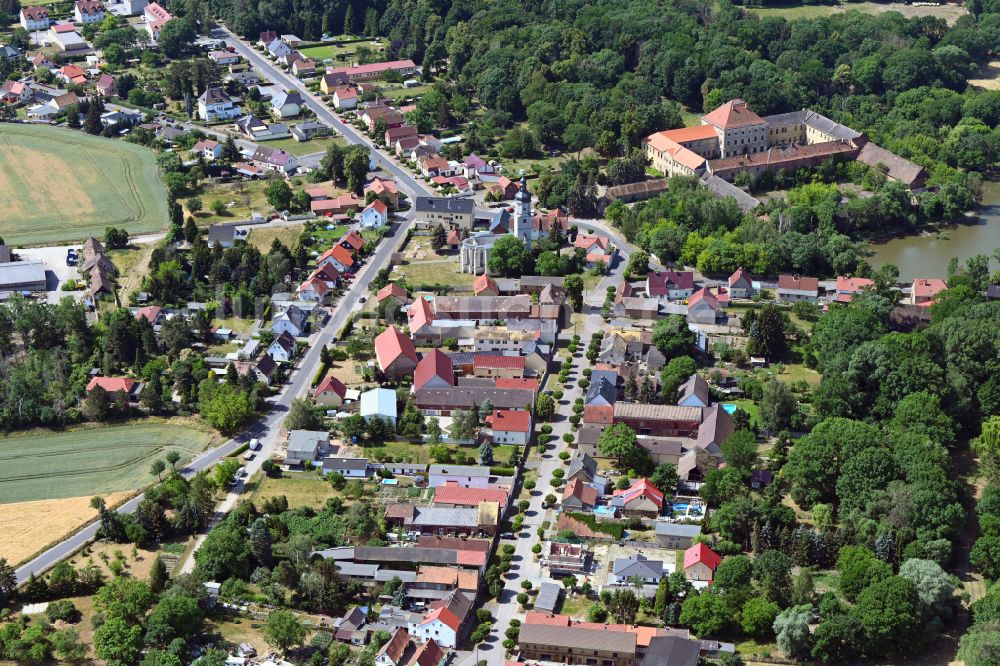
(522, 213)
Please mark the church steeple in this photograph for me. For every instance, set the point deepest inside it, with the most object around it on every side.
(522, 213)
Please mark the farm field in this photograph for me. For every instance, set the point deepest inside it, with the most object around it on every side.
(89, 461)
(949, 13)
(89, 183)
(28, 526)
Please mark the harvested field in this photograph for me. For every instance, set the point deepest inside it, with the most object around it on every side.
(89, 461)
(89, 183)
(28, 526)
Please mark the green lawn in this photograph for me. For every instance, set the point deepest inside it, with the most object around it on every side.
(262, 238)
(301, 489)
(88, 461)
(299, 148)
(335, 51)
(64, 185)
(793, 11)
(417, 453)
(444, 272)
(246, 197)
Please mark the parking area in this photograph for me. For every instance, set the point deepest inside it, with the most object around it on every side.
(56, 270)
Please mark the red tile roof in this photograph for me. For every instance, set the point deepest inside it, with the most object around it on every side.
(113, 384)
(331, 383)
(701, 553)
(428, 654)
(451, 493)
(580, 490)
(509, 420)
(393, 290)
(536, 617)
(390, 344)
(852, 285)
(420, 314)
(586, 240)
(150, 312)
(35, 13)
(376, 67)
(732, 114)
(316, 284)
(661, 282)
(741, 273)
(339, 253)
(379, 206)
(642, 488)
(498, 361)
(485, 283)
(470, 558)
(928, 287)
(396, 646)
(326, 272)
(380, 185)
(798, 282)
(704, 294)
(354, 239)
(445, 616)
(434, 364)
(346, 92)
(515, 383)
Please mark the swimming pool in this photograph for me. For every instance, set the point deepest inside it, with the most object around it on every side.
(729, 407)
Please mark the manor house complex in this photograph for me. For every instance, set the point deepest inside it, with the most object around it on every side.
(733, 139)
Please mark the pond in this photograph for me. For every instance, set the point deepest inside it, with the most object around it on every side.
(928, 256)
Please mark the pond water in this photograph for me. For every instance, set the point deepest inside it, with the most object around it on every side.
(928, 256)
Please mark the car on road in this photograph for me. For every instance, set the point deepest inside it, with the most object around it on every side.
(249, 455)
(254, 444)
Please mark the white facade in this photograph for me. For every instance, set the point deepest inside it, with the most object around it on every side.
(87, 18)
(442, 634)
(510, 437)
(39, 23)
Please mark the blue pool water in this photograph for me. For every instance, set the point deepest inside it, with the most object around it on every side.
(729, 407)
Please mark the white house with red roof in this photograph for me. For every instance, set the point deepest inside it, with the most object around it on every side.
(740, 130)
(440, 624)
(337, 256)
(740, 284)
(209, 149)
(435, 370)
(35, 17)
(849, 287)
(511, 426)
(641, 499)
(375, 214)
(106, 85)
(795, 288)
(330, 392)
(88, 11)
(700, 562)
(671, 285)
(703, 307)
(315, 289)
(395, 353)
(925, 289)
(156, 17)
(15, 92)
(345, 97)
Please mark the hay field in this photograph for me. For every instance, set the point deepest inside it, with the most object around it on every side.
(89, 461)
(62, 185)
(793, 11)
(27, 527)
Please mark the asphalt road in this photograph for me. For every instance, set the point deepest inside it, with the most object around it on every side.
(407, 183)
(268, 429)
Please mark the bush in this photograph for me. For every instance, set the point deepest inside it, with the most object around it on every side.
(569, 438)
(484, 616)
(62, 610)
(529, 484)
(522, 598)
(546, 429)
(557, 395)
(564, 455)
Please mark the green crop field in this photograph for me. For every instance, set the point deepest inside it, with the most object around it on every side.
(60, 185)
(89, 461)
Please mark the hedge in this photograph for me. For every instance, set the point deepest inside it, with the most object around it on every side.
(615, 530)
